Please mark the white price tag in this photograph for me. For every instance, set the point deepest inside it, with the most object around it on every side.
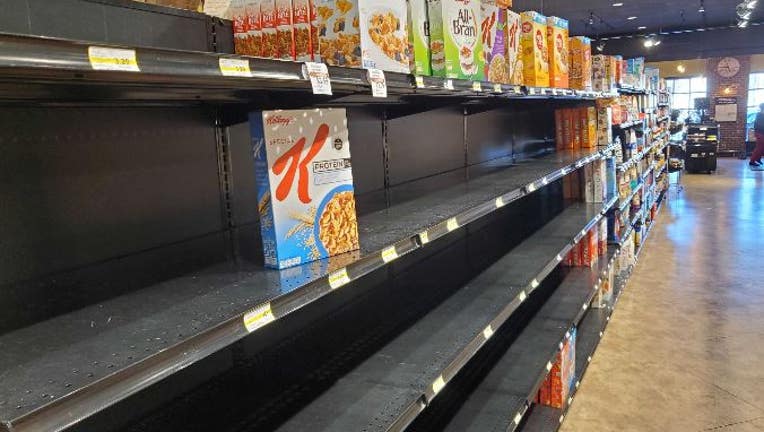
(258, 317)
(419, 81)
(518, 89)
(235, 67)
(554, 91)
(477, 86)
(499, 202)
(113, 59)
(424, 238)
(531, 91)
(378, 83)
(448, 84)
(497, 88)
(452, 224)
(319, 77)
(438, 385)
(488, 332)
(389, 254)
(339, 278)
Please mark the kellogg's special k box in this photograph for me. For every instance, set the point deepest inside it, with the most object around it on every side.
(304, 185)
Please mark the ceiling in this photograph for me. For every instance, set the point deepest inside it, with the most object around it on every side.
(655, 15)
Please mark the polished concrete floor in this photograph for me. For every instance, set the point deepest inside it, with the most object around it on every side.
(685, 348)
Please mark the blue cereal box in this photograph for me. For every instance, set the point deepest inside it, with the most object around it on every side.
(304, 185)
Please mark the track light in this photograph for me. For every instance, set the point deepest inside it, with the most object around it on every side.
(601, 47)
(702, 8)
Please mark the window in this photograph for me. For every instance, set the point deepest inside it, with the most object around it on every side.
(684, 91)
(755, 98)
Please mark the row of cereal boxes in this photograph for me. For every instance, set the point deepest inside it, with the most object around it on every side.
(468, 39)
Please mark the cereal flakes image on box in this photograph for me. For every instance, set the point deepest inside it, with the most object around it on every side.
(384, 35)
(304, 185)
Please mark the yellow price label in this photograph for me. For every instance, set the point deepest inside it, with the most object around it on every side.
(424, 238)
(235, 67)
(438, 385)
(477, 86)
(258, 317)
(113, 59)
(389, 254)
(497, 88)
(339, 278)
(419, 81)
(499, 202)
(452, 224)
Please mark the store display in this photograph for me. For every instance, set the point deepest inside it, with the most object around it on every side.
(535, 50)
(305, 185)
(557, 44)
(456, 38)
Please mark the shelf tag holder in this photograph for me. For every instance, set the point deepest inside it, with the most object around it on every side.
(339, 278)
(378, 83)
(231, 67)
(318, 74)
(113, 59)
(258, 317)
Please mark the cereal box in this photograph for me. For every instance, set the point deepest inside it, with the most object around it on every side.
(384, 35)
(589, 127)
(239, 26)
(600, 74)
(457, 37)
(515, 60)
(494, 30)
(301, 28)
(578, 133)
(339, 34)
(304, 185)
(535, 50)
(419, 38)
(604, 126)
(611, 71)
(314, 49)
(568, 132)
(268, 20)
(437, 41)
(581, 63)
(557, 41)
(559, 132)
(284, 30)
(254, 28)
(618, 70)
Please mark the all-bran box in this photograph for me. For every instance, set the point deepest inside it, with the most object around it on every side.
(384, 35)
(457, 37)
(304, 185)
(303, 49)
(268, 20)
(581, 63)
(419, 37)
(494, 30)
(557, 41)
(514, 57)
(535, 50)
(284, 30)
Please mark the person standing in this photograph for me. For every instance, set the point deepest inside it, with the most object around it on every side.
(758, 128)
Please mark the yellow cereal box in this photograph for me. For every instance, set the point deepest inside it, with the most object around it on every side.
(557, 41)
(581, 63)
(304, 185)
(534, 50)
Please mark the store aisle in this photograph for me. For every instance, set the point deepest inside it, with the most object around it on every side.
(685, 348)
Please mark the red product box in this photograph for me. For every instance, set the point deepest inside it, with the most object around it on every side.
(269, 32)
(302, 30)
(254, 28)
(314, 48)
(284, 30)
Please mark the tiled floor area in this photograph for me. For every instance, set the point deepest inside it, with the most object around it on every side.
(685, 348)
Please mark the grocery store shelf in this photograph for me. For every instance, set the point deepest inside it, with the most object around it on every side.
(636, 158)
(128, 348)
(631, 91)
(413, 368)
(625, 203)
(502, 399)
(647, 172)
(42, 69)
(631, 124)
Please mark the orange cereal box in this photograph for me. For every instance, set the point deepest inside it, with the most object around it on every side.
(557, 41)
(535, 51)
(284, 30)
(304, 185)
(581, 63)
(268, 24)
(302, 38)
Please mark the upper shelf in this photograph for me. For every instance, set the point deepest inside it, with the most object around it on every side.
(61, 371)
(43, 69)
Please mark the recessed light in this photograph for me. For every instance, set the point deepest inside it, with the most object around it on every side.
(641, 28)
(617, 4)
(631, 18)
(681, 68)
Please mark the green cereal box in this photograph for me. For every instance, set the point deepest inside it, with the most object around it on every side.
(456, 39)
(419, 37)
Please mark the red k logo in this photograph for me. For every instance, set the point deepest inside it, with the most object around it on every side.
(297, 167)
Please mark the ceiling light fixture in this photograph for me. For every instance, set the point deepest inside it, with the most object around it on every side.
(641, 27)
(631, 18)
(702, 8)
(617, 4)
(681, 68)
(601, 47)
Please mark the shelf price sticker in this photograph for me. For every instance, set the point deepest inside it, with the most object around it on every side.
(419, 80)
(389, 254)
(339, 278)
(477, 86)
(452, 224)
(497, 88)
(488, 332)
(258, 317)
(438, 385)
(448, 84)
(424, 238)
(318, 74)
(113, 59)
(500, 202)
(518, 89)
(518, 418)
(232, 67)
(378, 83)
(531, 91)
(522, 296)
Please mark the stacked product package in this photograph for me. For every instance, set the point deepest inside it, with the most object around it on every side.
(535, 49)
(581, 63)
(304, 185)
(558, 385)
(559, 53)
(576, 128)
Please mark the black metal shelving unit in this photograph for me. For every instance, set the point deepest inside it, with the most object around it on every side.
(125, 323)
